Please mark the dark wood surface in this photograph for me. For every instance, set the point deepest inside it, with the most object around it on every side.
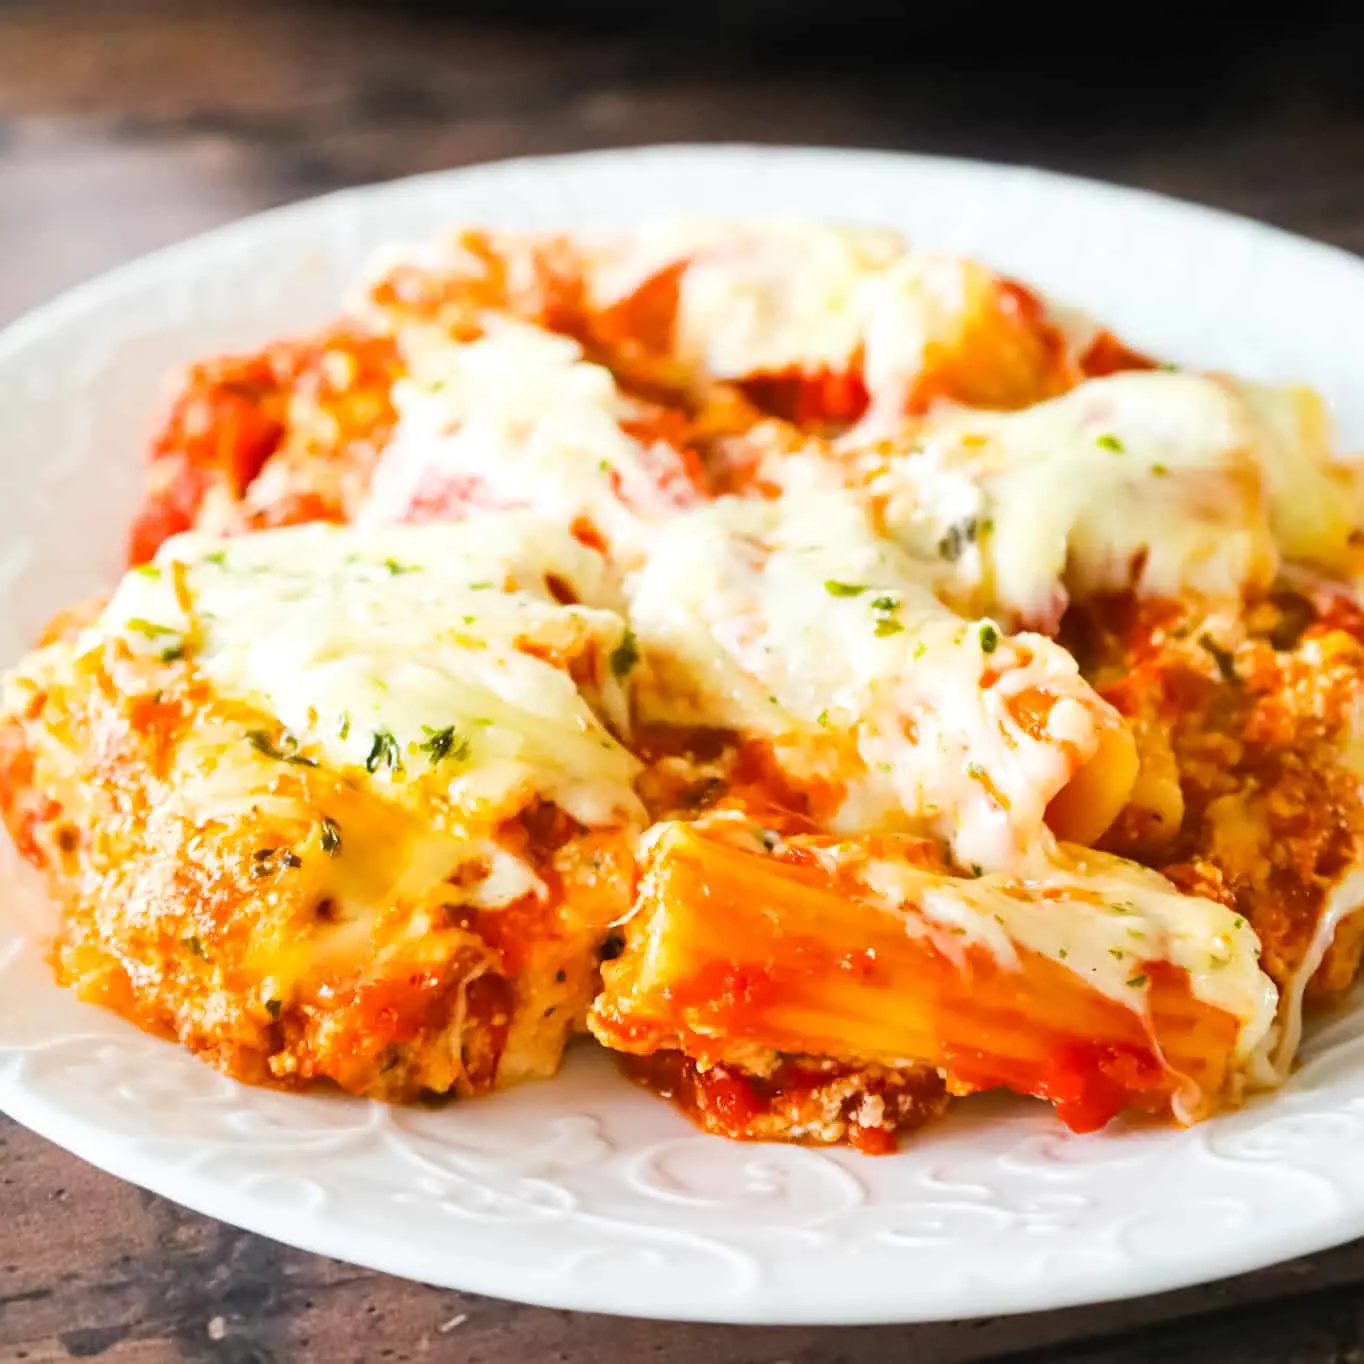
(127, 124)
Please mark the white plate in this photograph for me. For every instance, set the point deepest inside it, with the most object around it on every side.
(584, 1192)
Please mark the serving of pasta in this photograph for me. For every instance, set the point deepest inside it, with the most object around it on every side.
(834, 677)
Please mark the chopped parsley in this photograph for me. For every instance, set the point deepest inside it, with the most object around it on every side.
(837, 589)
(626, 654)
(1160, 470)
(395, 568)
(1136, 982)
(977, 870)
(194, 945)
(885, 609)
(263, 858)
(1116, 953)
(284, 749)
(920, 649)
(1062, 952)
(1111, 443)
(957, 537)
(989, 638)
(330, 837)
(383, 752)
(343, 730)
(443, 743)
(479, 587)
(272, 1007)
(822, 719)
(218, 558)
(1226, 662)
(149, 628)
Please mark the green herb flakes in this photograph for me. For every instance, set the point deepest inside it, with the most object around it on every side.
(1225, 660)
(284, 749)
(443, 743)
(383, 752)
(958, 538)
(149, 628)
(626, 654)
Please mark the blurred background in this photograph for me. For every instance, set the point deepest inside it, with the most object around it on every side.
(126, 124)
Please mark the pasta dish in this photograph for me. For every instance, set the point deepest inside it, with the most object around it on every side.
(833, 676)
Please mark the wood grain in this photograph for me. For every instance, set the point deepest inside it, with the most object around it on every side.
(126, 126)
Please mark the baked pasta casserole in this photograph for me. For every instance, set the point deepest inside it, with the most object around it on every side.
(834, 677)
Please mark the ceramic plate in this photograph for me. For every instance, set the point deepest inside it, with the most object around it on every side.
(585, 1192)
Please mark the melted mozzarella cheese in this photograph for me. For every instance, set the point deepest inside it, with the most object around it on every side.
(755, 297)
(1162, 483)
(776, 296)
(1316, 503)
(433, 659)
(794, 621)
(1102, 918)
(515, 418)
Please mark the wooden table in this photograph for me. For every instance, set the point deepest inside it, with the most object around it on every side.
(127, 125)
